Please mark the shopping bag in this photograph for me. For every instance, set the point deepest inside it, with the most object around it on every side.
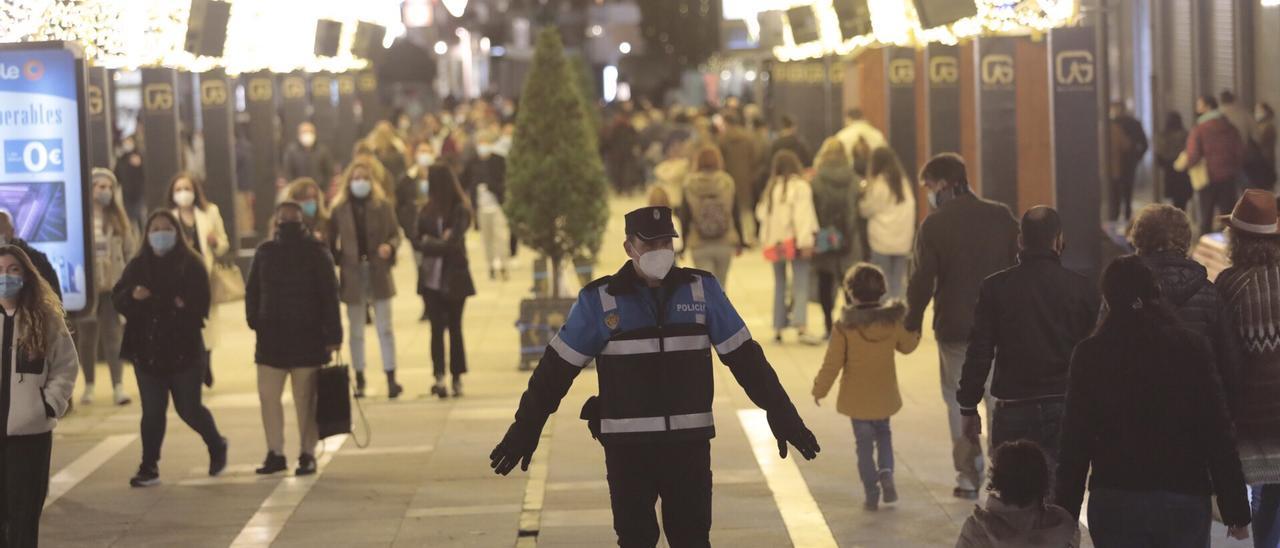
(226, 282)
(1199, 173)
(783, 251)
(333, 400)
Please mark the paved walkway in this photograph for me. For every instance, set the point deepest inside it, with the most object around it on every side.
(424, 479)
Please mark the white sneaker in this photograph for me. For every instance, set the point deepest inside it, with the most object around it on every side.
(87, 397)
(119, 396)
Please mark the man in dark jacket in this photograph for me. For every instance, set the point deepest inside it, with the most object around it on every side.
(965, 240)
(741, 159)
(1161, 234)
(1028, 319)
(789, 138)
(1215, 141)
(1128, 146)
(291, 301)
(38, 258)
(307, 158)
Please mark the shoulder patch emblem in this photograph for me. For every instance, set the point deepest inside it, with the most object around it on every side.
(612, 320)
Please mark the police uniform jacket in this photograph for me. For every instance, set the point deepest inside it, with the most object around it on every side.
(652, 347)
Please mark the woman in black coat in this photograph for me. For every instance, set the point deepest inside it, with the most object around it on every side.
(291, 302)
(1146, 411)
(164, 297)
(445, 280)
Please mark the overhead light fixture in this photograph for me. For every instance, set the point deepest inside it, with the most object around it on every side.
(441, 48)
(750, 75)
(455, 7)
(597, 30)
(624, 48)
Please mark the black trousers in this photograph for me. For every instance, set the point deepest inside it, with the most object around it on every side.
(24, 482)
(184, 386)
(827, 283)
(445, 314)
(1122, 196)
(1215, 199)
(679, 473)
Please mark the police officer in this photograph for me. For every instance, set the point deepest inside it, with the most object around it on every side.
(651, 327)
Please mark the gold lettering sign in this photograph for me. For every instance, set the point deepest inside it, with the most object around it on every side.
(294, 88)
(93, 96)
(157, 96)
(944, 70)
(320, 86)
(997, 70)
(260, 89)
(213, 93)
(346, 85)
(368, 82)
(1074, 68)
(902, 72)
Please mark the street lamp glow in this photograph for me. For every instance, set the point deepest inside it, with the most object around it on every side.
(597, 30)
(484, 43)
(750, 75)
(624, 48)
(441, 48)
(725, 75)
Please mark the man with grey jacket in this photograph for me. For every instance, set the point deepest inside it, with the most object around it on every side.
(962, 242)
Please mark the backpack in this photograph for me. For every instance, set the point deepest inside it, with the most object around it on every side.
(712, 217)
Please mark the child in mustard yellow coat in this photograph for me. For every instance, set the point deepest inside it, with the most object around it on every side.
(862, 347)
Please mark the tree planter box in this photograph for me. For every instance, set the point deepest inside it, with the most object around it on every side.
(540, 320)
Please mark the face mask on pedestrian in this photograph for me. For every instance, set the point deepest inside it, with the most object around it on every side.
(184, 198)
(126, 146)
(309, 208)
(307, 139)
(290, 229)
(423, 186)
(103, 197)
(360, 188)
(162, 241)
(425, 159)
(10, 286)
(657, 263)
(484, 151)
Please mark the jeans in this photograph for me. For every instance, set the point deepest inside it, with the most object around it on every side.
(270, 388)
(677, 472)
(356, 316)
(184, 386)
(102, 328)
(895, 273)
(1148, 519)
(965, 454)
(1038, 422)
(445, 314)
(799, 294)
(874, 443)
(1265, 503)
(714, 258)
(1214, 199)
(24, 482)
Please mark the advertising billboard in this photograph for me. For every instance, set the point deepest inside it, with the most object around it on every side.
(44, 168)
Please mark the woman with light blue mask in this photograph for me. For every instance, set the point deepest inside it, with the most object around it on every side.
(164, 297)
(37, 376)
(364, 237)
(315, 213)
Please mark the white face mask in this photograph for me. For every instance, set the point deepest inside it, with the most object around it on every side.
(425, 160)
(657, 263)
(484, 150)
(184, 198)
(307, 139)
(360, 188)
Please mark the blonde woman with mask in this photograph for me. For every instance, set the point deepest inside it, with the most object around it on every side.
(114, 242)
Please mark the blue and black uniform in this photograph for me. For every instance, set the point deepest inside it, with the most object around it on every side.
(652, 347)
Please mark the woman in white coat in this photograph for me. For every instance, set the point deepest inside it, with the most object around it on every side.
(201, 223)
(37, 378)
(890, 209)
(788, 233)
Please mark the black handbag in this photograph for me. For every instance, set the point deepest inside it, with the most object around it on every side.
(333, 400)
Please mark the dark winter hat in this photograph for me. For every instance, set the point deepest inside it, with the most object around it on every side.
(651, 223)
(1255, 213)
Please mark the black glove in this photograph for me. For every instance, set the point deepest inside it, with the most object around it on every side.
(515, 448)
(788, 428)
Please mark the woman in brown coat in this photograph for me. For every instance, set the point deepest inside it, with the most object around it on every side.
(364, 236)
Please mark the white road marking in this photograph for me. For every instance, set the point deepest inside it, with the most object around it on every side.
(271, 517)
(800, 513)
(67, 478)
(450, 511)
(389, 450)
(535, 491)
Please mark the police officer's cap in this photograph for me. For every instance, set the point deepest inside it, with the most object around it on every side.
(651, 223)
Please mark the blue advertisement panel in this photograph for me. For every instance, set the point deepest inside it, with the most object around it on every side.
(43, 172)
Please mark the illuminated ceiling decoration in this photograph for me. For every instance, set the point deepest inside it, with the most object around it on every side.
(275, 35)
(895, 22)
(455, 7)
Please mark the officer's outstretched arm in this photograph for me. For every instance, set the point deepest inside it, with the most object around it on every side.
(761, 383)
(582, 336)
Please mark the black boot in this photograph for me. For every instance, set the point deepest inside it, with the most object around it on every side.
(393, 388)
(359, 384)
(457, 386)
(438, 388)
(147, 475)
(306, 465)
(272, 464)
(218, 458)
